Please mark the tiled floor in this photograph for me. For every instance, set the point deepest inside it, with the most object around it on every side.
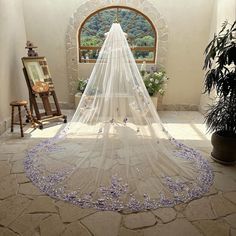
(26, 211)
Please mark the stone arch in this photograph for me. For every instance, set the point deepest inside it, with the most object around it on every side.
(85, 9)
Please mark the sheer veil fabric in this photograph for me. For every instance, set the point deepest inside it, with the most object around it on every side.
(115, 153)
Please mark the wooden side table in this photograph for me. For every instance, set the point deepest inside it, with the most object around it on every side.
(20, 104)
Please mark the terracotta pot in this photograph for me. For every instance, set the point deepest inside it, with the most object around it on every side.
(224, 148)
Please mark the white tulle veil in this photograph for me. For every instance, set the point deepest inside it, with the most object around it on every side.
(115, 153)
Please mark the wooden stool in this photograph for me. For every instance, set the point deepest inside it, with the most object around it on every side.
(20, 104)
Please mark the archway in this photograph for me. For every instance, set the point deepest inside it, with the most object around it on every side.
(87, 8)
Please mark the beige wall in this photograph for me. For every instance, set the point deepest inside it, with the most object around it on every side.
(226, 10)
(188, 24)
(12, 43)
(222, 10)
(46, 24)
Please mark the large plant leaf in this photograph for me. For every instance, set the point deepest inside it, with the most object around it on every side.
(220, 66)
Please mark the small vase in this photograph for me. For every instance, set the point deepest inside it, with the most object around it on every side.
(154, 99)
(77, 99)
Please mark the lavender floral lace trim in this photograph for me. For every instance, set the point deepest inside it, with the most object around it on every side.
(112, 195)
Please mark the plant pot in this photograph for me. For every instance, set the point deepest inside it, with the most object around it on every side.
(77, 99)
(154, 100)
(224, 148)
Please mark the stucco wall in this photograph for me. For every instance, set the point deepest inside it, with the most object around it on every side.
(226, 10)
(46, 25)
(188, 24)
(12, 44)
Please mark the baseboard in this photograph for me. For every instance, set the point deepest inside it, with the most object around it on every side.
(6, 124)
(177, 107)
(160, 107)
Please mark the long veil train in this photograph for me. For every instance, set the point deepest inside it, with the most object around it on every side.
(115, 153)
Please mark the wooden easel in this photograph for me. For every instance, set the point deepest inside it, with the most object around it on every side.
(37, 73)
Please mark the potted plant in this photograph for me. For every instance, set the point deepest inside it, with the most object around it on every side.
(155, 83)
(220, 64)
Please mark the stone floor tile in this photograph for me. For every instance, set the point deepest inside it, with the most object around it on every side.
(226, 170)
(5, 156)
(152, 231)
(231, 196)
(211, 191)
(26, 224)
(36, 233)
(222, 206)
(29, 189)
(8, 186)
(140, 220)
(165, 214)
(22, 178)
(179, 227)
(233, 232)
(76, 229)
(199, 209)
(13, 147)
(7, 232)
(11, 208)
(18, 156)
(103, 223)
(224, 182)
(128, 232)
(213, 227)
(42, 204)
(231, 219)
(180, 215)
(180, 207)
(70, 213)
(5, 168)
(206, 150)
(17, 167)
(52, 226)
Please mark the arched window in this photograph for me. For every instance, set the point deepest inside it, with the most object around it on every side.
(140, 30)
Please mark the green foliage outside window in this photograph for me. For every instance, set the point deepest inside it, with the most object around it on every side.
(139, 29)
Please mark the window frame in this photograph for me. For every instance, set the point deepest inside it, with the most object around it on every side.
(149, 49)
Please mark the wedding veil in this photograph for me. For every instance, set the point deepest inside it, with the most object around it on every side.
(115, 153)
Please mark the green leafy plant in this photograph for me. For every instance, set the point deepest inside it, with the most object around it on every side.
(155, 82)
(220, 64)
(82, 83)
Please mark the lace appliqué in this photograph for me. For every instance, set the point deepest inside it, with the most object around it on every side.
(112, 196)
